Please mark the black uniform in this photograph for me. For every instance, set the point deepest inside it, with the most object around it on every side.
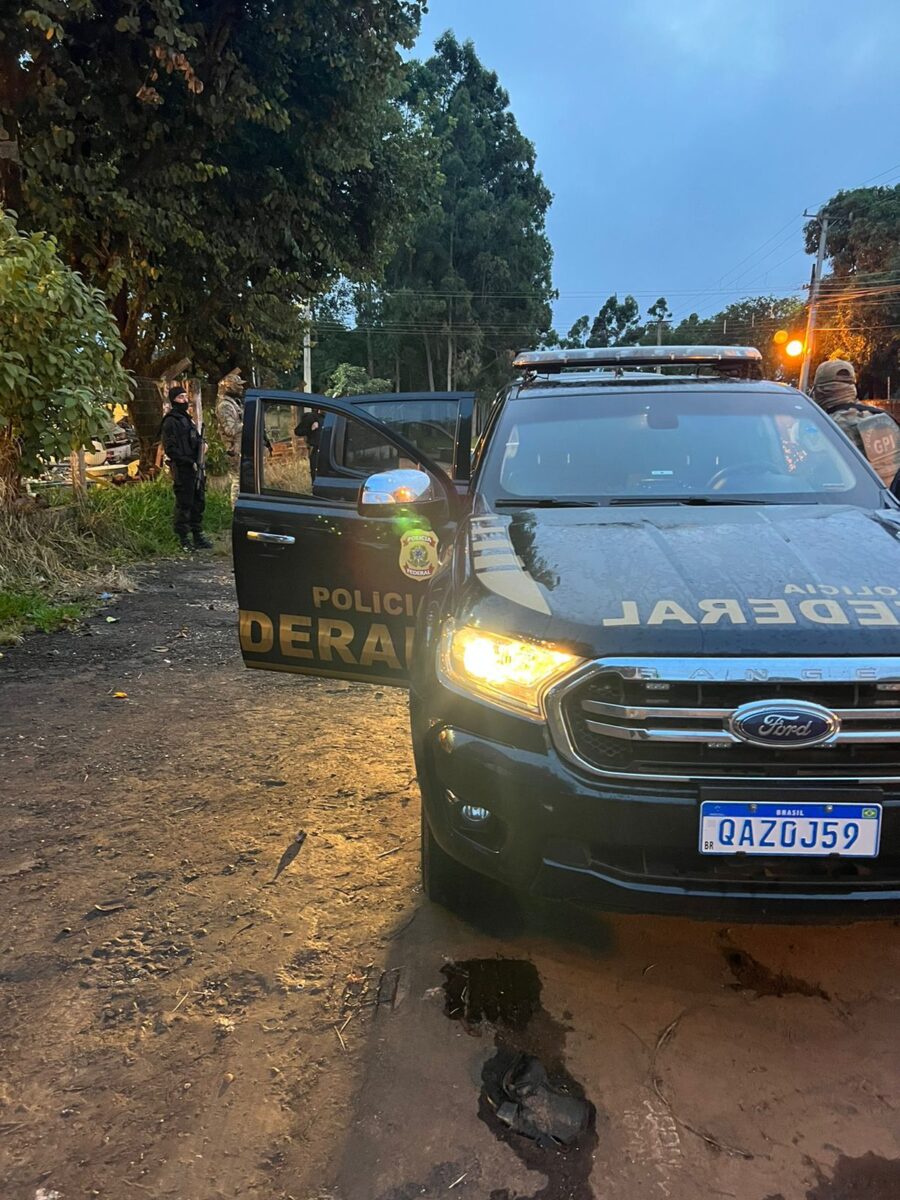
(310, 427)
(182, 443)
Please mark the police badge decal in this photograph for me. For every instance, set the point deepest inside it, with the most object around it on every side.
(418, 554)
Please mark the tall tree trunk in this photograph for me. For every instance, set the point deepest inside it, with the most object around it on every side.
(10, 163)
(396, 370)
(429, 361)
(450, 350)
(10, 469)
(145, 414)
(147, 437)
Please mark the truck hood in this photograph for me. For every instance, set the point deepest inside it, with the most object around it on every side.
(761, 580)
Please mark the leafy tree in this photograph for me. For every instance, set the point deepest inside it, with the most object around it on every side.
(750, 322)
(211, 165)
(60, 357)
(471, 284)
(617, 324)
(578, 334)
(859, 309)
(348, 380)
(659, 318)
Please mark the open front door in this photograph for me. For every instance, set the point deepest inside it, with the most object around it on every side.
(323, 589)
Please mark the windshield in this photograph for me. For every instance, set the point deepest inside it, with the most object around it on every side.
(709, 446)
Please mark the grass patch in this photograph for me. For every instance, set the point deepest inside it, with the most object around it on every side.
(27, 612)
(135, 521)
(54, 562)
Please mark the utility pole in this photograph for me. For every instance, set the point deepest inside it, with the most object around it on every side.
(813, 297)
(307, 348)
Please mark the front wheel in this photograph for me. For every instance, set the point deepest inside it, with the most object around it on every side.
(443, 878)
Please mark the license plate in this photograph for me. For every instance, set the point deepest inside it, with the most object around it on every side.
(848, 830)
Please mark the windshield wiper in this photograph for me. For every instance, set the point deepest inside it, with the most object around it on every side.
(712, 500)
(629, 501)
(544, 502)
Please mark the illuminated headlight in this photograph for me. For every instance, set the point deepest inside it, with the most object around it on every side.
(510, 673)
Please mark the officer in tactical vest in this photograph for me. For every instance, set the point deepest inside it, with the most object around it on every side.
(230, 415)
(870, 429)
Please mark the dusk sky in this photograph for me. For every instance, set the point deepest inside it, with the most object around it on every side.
(682, 139)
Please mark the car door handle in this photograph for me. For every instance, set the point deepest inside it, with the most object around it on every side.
(279, 539)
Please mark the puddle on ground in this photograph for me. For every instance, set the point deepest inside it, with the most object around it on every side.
(503, 996)
(866, 1178)
(504, 991)
(756, 977)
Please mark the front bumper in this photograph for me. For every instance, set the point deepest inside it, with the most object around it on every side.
(556, 833)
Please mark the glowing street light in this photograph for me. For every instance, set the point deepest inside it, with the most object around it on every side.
(794, 348)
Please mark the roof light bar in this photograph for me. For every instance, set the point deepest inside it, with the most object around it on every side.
(551, 362)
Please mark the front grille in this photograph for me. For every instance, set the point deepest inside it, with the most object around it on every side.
(684, 867)
(670, 719)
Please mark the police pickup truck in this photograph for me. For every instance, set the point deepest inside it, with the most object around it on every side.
(650, 626)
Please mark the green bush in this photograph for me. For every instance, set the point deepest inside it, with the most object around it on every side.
(60, 357)
(217, 461)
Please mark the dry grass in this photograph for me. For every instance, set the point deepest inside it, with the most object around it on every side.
(55, 561)
(50, 550)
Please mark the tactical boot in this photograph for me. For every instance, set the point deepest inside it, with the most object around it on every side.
(202, 542)
(186, 546)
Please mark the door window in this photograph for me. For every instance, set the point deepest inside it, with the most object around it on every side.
(308, 453)
(430, 425)
(290, 436)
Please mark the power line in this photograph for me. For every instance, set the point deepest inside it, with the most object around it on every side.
(754, 253)
(463, 295)
(792, 221)
(872, 178)
(866, 182)
(759, 278)
(775, 248)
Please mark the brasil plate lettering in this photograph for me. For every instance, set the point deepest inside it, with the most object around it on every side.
(790, 830)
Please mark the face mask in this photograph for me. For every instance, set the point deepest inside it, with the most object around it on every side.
(835, 392)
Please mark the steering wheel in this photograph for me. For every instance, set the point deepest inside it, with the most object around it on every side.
(716, 482)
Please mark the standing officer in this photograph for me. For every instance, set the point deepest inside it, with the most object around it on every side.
(230, 414)
(310, 428)
(871, 429)
(183, 445)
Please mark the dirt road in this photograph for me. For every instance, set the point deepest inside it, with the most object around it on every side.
(179, 1019)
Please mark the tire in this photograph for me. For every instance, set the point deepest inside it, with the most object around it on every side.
(443, 878)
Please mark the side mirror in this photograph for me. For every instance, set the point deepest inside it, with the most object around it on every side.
(382, 495)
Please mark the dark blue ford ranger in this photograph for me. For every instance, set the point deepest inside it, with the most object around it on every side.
(650, 625)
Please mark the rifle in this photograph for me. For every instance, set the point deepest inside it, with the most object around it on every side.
(201, 461)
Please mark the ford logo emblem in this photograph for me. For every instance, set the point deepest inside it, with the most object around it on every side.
(787, 725)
